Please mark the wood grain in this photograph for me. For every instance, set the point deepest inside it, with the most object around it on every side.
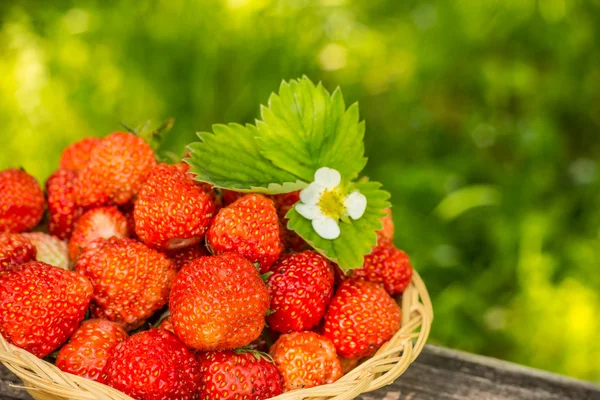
(443, 374)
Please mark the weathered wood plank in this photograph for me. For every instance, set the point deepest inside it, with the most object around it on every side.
(443, 374)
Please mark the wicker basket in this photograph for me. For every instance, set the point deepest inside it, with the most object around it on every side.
(45, 381)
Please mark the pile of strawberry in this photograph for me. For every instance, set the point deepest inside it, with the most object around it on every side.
(163, 287)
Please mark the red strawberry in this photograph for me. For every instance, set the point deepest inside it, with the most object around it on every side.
(301, 287)
(386, 266)
(248, 227)
(90, 347)
(76, 156)
(98, 223)
(183, 256)
(41, 306)
(117, 168)
(360, 318)
(218, 303)
(21, 202)
(166, 324)
(238, 375)
(15, 249)
(171, 211)
(305, 360)
(387, 232)
(283, 203)
(64, 212)
(49, 249)
(131, 281)
(153, 365)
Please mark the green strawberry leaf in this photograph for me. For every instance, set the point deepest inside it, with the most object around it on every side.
(305, 128)
(230, 158)
(357, 237)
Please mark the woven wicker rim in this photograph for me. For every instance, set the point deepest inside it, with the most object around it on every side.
(45, 381)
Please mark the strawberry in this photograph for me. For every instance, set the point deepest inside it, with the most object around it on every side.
(387, 266)
(62, 208)
(283, 203)
(21, 202)
(41, 306)
(90, 347)
(360, 318)
(117, 167)
(239, 375)
(218, 303)
(15, 249)
(166, 324)
(249, 227)
(305, 360)
(153, 365)
(131, 281)
(76, 156)
(98, 223)
(301, 287)
(49, 249)
(171, 211)
(183, 256)
(387, 231)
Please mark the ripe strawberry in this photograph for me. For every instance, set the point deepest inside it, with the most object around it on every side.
(153, 365)
(98, 223)
(15, 249)
(283, 203)
(183, 256)
(386, 266)
(131, 281)
(90, 347)
(239, 375)
(166, 324)
(305, 360)
(248, 227)
(21, 202)
(360, 318)
(49, 249)
(387, 232)
(301, 287)
(41, 306)
(218, 303)
(171, 211)
(63, 211)
(117, 168)
(76, 156)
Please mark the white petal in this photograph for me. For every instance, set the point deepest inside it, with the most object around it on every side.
(326, 227)
(309, 211)
(312, 193)
(328, 177)
(356, 204)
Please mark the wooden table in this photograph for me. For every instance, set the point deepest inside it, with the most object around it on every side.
(443, 374)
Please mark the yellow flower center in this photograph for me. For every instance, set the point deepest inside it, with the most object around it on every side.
(331, 203)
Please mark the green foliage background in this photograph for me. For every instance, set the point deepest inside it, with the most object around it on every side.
(483, 121)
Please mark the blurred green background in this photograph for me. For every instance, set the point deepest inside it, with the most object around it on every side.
(483, 121)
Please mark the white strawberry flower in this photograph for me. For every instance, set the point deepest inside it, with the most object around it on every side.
(325, 202)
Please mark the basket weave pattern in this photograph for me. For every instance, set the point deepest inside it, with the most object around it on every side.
(45, 381)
